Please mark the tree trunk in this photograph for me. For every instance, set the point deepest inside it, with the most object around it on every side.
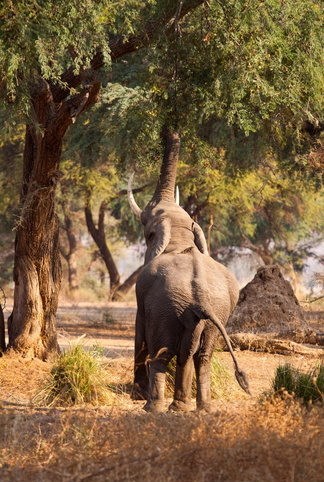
(37, 269)
(252, 342)
(99, 237)
(37, 266)
(69, 254)
(72, 272)
(125, 287)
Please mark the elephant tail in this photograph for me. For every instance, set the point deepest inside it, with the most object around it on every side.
(241, 377)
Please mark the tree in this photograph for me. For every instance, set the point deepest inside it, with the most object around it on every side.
(67, 44)
(117, 289)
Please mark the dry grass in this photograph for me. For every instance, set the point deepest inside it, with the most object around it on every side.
(20, 378)
(243, 441)
(22, 381)
(223, 383)
(272, 442)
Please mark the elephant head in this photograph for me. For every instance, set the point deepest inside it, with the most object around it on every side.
(167, 227)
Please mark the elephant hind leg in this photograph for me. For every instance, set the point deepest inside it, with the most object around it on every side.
(157, 369)
(183, 385)
(202, 361)
(184, 371)
(202, 367)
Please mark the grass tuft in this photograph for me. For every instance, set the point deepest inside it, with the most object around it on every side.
(77, 377)
(308, 387)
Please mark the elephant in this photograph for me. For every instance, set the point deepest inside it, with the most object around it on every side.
(183, 298)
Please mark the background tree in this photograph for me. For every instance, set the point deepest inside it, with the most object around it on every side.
(96, 192)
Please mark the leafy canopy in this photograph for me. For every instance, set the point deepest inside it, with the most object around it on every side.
(249, 77)
(47, 37)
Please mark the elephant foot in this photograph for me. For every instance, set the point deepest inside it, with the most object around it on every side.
(154, 406)
(204, 407)
(180, 406)
(138, 392)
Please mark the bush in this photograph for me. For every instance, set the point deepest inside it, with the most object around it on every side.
(77, 377)
(219, 379)
(305, 386)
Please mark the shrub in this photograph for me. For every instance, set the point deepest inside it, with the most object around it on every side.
(77, 377)
(305, 386)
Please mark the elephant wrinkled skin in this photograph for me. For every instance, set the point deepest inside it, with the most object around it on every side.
(183, 296)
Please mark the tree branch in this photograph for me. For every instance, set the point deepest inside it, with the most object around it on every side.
(119, 46)
(90, 223)
(125, 287)
(63, 252)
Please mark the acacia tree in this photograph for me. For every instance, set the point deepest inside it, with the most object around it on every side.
(248, 140)
(55, 69)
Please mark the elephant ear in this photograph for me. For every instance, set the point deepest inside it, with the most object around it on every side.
(200, 240)
(159, 239)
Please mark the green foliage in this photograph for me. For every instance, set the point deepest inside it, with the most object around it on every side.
(305, 386)
(246, 80)
(77, 377)
(242, 84)
(122, 128)
(118, 133)
(266, 207)
(47, 37)
(267, 57)
(79, 184)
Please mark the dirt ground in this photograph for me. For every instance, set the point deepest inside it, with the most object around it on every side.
(242, 440)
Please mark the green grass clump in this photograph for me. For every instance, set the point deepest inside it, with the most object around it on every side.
(305, 386)
(219, 379)
(77, 377)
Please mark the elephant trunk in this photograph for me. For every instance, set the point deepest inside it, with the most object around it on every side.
(166, 184)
